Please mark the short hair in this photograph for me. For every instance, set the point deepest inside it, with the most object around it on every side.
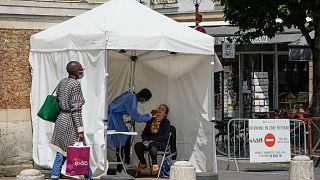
(72, 66)
(145, 93)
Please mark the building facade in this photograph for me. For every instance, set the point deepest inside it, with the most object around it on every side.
(20, 19)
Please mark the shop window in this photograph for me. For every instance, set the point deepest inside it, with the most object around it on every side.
(227, 89)
(257, 74)
(293, 84)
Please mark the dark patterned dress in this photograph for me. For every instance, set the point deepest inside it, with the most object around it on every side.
(69, 121)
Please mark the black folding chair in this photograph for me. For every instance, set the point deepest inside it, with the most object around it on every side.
(165, 152)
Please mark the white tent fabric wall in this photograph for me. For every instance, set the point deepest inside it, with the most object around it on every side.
(47, 70)
(184, 91)
(181, 79)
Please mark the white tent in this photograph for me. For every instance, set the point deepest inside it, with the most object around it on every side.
(183, 80)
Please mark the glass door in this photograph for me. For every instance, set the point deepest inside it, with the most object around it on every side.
(256, 85)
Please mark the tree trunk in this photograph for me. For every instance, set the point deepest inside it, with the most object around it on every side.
(315, 106)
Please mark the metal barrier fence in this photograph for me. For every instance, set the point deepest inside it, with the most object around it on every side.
(238, 139)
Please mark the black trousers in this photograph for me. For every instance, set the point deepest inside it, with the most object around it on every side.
(153, 147)
(125, 150)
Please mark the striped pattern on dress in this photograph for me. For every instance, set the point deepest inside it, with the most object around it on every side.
(69, 122)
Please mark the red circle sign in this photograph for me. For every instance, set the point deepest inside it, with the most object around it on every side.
(269, 140)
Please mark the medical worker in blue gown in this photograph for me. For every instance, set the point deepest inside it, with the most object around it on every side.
(126, 104)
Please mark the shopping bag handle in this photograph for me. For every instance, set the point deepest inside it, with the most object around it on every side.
(55, 89)
(78, 143)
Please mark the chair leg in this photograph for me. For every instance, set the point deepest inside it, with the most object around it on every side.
(150, 164)
(164, 155)
(122, 162)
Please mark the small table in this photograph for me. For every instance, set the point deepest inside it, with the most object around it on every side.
(109, 132)
(113, 132)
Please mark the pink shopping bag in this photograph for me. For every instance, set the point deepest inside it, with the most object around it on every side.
(78, 160)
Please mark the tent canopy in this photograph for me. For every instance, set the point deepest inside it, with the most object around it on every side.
(123, 24)
(182, 79)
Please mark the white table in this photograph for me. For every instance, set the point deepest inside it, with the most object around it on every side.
(109, 132)
(119, 133)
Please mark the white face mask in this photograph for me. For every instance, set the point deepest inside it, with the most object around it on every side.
(143, 102)
(81, 75)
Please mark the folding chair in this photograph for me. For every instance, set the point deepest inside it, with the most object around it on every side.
(161, 153)
(166, 152)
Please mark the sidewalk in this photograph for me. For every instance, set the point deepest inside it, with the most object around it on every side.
(248, 171)
(255, 171)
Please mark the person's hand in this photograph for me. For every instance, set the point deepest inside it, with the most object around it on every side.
(146, 142)
(80, 136)
(154, 112)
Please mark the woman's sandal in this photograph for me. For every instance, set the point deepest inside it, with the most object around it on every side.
(140, 168)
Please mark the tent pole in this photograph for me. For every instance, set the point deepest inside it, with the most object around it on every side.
(131, 88)
(105, 120)
(132, 70)
(212, 116)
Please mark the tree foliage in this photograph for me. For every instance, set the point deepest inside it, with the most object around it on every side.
(269, 17)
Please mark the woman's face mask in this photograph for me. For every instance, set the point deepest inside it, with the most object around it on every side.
(81, 74)
(143, 101)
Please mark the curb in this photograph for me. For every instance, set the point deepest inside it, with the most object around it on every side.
(206, 176)
(316, 160)
(13, 170)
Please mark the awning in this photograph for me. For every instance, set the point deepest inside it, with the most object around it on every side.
(299, 50)
(300, 54)
(223, 32)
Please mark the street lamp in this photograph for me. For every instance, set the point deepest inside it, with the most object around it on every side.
(198, 17)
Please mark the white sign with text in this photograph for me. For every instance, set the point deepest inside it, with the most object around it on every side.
(228, 50)
(269, 140)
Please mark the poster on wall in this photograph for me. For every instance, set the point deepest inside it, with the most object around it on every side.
(269, 140)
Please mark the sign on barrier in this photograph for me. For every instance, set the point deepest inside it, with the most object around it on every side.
(269, 140)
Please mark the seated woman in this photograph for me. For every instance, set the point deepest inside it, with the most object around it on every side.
(154, 137)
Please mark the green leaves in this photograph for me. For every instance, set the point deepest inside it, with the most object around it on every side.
(268, 17)
(284, 10)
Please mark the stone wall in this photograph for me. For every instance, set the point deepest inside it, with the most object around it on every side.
(15, 82)
(15, 79)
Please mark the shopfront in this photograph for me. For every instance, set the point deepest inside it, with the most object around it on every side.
(260, 82)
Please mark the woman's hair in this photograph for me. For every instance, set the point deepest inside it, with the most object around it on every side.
(167, 109)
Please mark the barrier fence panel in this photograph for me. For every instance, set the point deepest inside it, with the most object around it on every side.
(238, 142)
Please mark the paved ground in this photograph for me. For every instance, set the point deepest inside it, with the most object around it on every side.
(266, 171)
(261, 171)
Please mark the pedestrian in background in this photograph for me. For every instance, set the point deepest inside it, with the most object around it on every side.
(68, 127)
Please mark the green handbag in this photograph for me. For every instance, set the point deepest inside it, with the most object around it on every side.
(50, 110)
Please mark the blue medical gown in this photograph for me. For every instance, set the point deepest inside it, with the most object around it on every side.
(125, 104)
